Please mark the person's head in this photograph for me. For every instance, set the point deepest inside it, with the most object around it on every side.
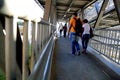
(75, 14)
(85, 21)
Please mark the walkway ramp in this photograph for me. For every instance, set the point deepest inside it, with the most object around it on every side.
(71, 67)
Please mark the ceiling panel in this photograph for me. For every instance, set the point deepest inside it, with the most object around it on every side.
(65, 8)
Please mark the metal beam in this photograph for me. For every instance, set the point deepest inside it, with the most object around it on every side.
(102, 10)
(71, 2)
(117, 6)
(93, 1)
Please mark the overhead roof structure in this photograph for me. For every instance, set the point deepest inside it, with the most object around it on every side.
(65, 8)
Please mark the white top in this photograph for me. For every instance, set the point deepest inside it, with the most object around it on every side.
(86, 27)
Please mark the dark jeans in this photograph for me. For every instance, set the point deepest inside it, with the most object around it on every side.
(74, 40)
(85, 40)
(60, 33)
(65, 33)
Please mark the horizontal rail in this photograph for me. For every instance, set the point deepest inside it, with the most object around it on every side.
(107, 42)
(43, 65)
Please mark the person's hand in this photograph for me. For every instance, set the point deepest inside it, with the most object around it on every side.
(68, 33)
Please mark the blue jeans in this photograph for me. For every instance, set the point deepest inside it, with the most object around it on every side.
(85, 40)
(74, 40)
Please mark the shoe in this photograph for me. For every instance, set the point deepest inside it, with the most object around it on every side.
(74, 54)
(78, 52)
(84, 52)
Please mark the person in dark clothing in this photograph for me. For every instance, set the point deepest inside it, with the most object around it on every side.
(65, 29)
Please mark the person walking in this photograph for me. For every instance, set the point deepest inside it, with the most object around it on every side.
(60, 29)
(73, 37)
(85, 35)
(65, 29)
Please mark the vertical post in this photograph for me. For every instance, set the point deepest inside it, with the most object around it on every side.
(45, 28)
(25, 50)
(117, 6)
(38, 39)
(49, 30)
(10, 47)
(41, 36)
(44, 35)
(33, 45)
(36, 48)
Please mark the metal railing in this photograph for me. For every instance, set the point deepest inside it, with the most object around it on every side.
(42, 68)
(16, 43)
(107, 42)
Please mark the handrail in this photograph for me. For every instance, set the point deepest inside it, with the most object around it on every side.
(43, 65)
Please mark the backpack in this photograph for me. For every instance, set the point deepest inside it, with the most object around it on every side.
(78, 27)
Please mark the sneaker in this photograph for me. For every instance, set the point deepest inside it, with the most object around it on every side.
(84, 52)
(74, 54)
(78, 52)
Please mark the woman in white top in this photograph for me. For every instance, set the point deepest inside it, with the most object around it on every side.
(85, 35)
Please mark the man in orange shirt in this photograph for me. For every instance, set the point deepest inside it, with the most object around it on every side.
(73, 37)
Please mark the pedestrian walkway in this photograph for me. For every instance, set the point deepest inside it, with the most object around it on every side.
(71, 67)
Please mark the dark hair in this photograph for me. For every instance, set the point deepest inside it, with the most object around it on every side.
(75, 14)
(85, 21)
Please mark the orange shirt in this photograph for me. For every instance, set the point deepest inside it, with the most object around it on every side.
(72, 24)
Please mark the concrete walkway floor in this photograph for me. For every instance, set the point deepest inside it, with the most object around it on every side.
(71, 67)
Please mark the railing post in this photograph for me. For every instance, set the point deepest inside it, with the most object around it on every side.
(25, 50)
(43, 33)
(38, 40)
(33, 46)
(40, 37)
(36, 47)
(10, 47)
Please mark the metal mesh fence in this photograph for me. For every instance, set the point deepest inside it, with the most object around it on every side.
(107, 42)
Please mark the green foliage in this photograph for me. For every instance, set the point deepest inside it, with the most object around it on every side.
(2, 75)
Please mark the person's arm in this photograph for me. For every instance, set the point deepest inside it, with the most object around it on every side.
(70, 27)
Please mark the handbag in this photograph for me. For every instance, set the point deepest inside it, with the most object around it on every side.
(91, 33)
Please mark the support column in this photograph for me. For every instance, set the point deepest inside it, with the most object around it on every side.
(117, 7)
(47, 9)
(101, 12)
(25, 50)
(10, 47)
